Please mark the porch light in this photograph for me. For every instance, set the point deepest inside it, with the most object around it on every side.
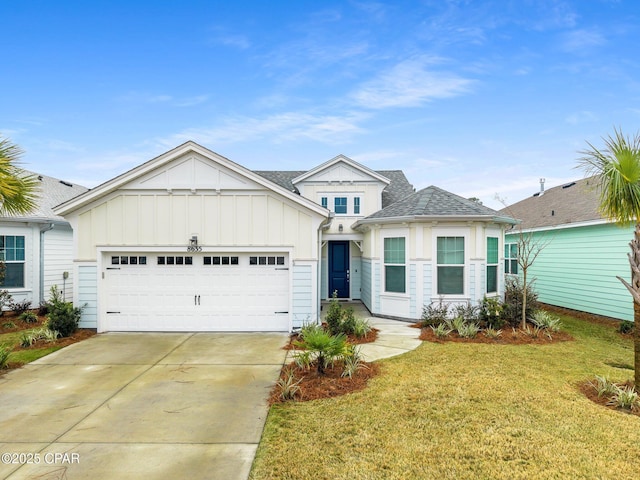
(340, 228)
(193, 241)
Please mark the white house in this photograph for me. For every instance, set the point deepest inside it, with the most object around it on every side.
(37, 248)
(191, 241)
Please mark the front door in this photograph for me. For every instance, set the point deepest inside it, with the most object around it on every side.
(339, 269)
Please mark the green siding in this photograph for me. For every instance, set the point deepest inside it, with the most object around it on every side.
(578, 267)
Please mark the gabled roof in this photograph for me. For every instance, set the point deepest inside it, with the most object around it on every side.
(573, 202)
(398, 187)
(433, 203)
(340, 159)
(166, 158)
(51, 192)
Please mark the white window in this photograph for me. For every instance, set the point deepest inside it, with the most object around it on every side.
(342, 203)
(511, 258)
(12, 253)
(492, 264)
(395, 265)
(450, 257)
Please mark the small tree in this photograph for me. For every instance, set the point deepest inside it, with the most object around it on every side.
(63, 316)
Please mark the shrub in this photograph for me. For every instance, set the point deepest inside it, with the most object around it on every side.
(625, 326)
(63, 316)
(441, 331)
(288, 385)
(334, 314)
(603, 387)
(27, 339)
(467, 312)
(5, 300)
(434, 314)
(21, 306)
(361, 328)
(513, 301)
(491, 312)
(8, 325)
(469, 330)
(324, 347)
(492, 333)
(29, 317)
(343, 320)
(626, 398)
(4, 356)
(43, 308)
(352, 362)
(546, 320)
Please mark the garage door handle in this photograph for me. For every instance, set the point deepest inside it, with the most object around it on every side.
(196, 299)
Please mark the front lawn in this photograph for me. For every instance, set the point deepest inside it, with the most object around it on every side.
(466, 411)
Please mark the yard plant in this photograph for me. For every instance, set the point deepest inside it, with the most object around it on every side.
(466, 411)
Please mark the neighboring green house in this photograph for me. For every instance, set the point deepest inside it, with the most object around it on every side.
(582, 252)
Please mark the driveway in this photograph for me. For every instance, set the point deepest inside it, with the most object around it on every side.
(140, 405)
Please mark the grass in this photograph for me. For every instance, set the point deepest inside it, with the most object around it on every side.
(465, 411)
(23, 357)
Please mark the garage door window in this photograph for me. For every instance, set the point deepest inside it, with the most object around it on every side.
(272, 260)
(128, 260)
(220, 260)
(177, 260)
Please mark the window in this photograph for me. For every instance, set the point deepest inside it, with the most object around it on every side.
(450, 257)
(511, 258)
(128, 260)
(492, 264)
(356, 205)
(325, 202)
(394, 265)
(12, 253)
(340, 205)
(266, 260)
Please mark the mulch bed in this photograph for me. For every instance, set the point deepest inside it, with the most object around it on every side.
(588, 391)
(78, 336)
(331, 384)
(508, 337)
(352, 339)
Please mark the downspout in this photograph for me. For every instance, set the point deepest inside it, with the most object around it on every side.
(43, 229)
(323, 227)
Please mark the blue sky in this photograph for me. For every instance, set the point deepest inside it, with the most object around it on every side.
(477, 97)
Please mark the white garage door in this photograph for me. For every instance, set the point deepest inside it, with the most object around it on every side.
(196, 292)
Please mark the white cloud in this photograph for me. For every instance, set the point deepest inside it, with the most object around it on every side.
(277, 128)
(410, 84)
(170, 100)
(578, 41)
(581, 117)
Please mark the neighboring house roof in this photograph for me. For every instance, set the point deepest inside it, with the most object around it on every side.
(433, 202)
(52, 192)
(573, 202)
(398, 187)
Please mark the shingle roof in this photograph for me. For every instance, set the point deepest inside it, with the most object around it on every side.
(433, 201)
(565, 204)
(397, 189)
(52, 192)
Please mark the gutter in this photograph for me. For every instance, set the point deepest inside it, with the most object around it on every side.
(436, 218)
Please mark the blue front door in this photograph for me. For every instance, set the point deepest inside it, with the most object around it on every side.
(339, 269)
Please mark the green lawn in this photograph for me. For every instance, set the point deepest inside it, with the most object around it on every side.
(466, 411)
(24, 356)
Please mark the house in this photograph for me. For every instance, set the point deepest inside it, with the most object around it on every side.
(193, 241)
(582, 252)
(37, 248)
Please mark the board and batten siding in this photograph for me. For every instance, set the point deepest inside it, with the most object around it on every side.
(577, 269)
(247, 219)
(58, 259)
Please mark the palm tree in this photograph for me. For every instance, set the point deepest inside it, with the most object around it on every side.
(18, 191)
(618, 169)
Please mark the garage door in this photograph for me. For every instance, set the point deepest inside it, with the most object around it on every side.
(196, 292)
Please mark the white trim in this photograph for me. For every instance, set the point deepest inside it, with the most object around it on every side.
(588, 223)
(343, 159)
(464, 232)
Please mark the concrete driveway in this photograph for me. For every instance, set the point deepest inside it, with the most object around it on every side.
(140, 405)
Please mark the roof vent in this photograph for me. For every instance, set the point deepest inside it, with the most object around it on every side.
(542, 180)
(66, 183)
(569, 185)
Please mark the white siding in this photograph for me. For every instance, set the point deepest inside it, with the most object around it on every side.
(87, 295)
(304, 298)
(366, 292)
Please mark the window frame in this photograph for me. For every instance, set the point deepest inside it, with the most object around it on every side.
(509, 260)
(464, 266)
(15, 264)
(492, 265)
(352, 208)
(390, 264)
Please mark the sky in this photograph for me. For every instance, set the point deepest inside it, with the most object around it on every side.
(481, 98)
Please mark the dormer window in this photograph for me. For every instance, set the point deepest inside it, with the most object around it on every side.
(340, 205)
